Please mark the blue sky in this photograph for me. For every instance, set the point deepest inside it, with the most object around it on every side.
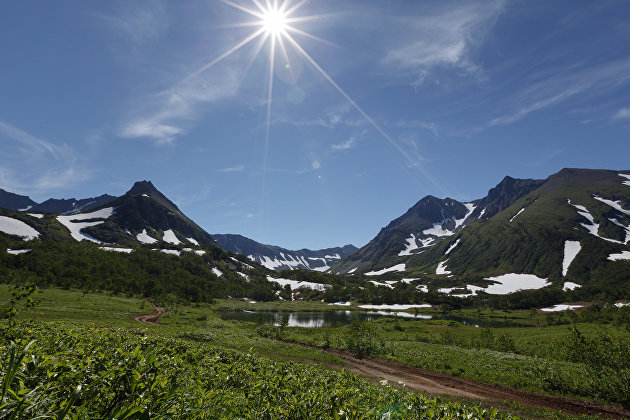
(397, 99)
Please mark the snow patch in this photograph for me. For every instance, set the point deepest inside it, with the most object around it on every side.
(294, 284)
(379, 284)
(562, 307)
(571, 249)
(200, 252)
(26, 209)
(626, 228)
(74, 225)
(441, 268)
(482, 213)
(18, 251)
(452, 247)
(193, 241)
(614, 204)
(170, 251)
(624, 255)
(627, 177)
(36, 215)
(411, 246)
(423, 288)
(340, 304)
(510, 283)
(245, 276)
(113, 249)
(570, 286)
(622, 304)
(217, 272)
(519, 212)
(396, 268)
(592, 227)
(145, 195)
(145, 238)
(395, 307)
(17, 228)
(169, 236)
(353, 270)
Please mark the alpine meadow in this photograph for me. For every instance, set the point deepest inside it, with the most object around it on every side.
(300, 209)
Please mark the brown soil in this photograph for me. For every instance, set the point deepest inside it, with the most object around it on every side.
(430, 382)
(151, 318)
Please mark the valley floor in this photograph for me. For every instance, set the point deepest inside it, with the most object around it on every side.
(434, 357)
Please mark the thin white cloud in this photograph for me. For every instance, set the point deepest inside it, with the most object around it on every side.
(443, 39)
(138, 23)
(237, 168)
(557, 87)
(180, 104)
(348, 144)
(32, 165)
(622, 114)
(429, 126)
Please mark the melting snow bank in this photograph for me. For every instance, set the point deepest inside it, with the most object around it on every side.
(17, 228)
(510, 283)
(193, 241)
(145, 238)
(441, 268)
(411, 246)
(395, 307)
(18, 251)
(74, 225)
(622, 304)
(399, 267)
(217, 272)
(340, 304)
(624, 255)
(109, 248)
(614, 204)
(294, 284)
(504, 285)
(571, 249)
(562, 307)
(452, 247)
(519, 212)
(169, 236)
(592, 227)
(570, 286)
(36, 215)
(627, 177)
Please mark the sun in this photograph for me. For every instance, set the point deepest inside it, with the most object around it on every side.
(274, 21)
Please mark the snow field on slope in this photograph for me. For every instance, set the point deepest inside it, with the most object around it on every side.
(570, 286)
(519, 212)
(36, 215)
(193, 241)
(441, 268)
(217, 272)
(627, 177)
(452, 247)
(16, 227)
(571, 249)
(74, 225)
(396, 268)
(438, 229)
(592, 227)
(396, 307)
(624, 255)
(18, 251)
(145, 238)
(113, 249)
(169, 236)
(411, 245)
(505, 284)
(294, 284)
(562, 307)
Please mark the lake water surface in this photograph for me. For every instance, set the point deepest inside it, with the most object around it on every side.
(329, 319)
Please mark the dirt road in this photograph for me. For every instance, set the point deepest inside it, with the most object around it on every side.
(151, 318)
(437, 383)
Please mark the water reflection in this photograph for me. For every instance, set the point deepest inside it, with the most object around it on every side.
(329, 319)
(326, 319)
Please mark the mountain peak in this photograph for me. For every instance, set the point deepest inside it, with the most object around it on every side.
(142, 187)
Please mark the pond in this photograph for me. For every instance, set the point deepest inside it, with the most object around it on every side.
(329, 319)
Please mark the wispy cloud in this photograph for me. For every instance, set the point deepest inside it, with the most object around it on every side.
(556, 87)
(237, 168)
(348, 144)
(622, 114)
(179, 104)
(137, 23)
(35, 165)
(443, 39)
(429, 126)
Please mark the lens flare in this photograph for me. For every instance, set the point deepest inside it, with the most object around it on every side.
(274, 22)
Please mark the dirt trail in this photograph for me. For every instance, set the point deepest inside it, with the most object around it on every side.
(151, 318)
(437, 383)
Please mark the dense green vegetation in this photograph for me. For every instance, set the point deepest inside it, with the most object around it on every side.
(181, 369)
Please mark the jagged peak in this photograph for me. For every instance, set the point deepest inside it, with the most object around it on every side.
(142, 187)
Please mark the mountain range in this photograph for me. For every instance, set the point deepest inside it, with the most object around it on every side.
(570, 229)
